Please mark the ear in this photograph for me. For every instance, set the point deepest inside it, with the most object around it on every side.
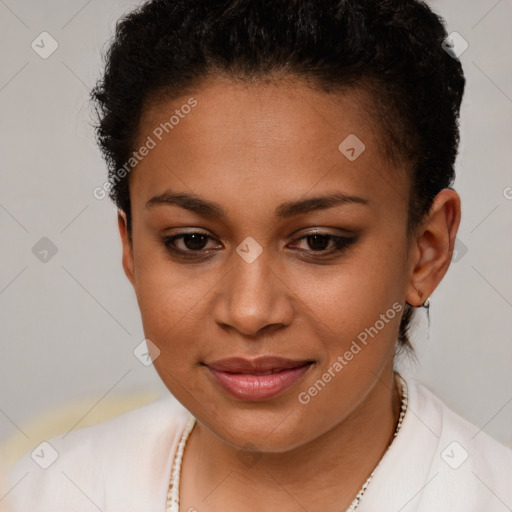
(432, 247)
(128, 263)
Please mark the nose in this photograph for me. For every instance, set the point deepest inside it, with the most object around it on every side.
(253, 298)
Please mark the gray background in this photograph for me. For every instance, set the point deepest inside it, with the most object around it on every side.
(69, 325)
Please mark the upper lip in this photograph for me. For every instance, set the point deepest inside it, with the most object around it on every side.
(260, 364)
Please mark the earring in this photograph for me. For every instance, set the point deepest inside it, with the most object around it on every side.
(426, 305)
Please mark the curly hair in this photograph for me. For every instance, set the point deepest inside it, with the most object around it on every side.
(391, 49)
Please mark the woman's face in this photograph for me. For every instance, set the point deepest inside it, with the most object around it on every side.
(301, 254)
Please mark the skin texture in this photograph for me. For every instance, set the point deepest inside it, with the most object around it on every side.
(251, 148)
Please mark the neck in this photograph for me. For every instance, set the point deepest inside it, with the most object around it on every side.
(324, 474)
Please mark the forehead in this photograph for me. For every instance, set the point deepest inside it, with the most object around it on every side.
(283, 110)
(280, 138)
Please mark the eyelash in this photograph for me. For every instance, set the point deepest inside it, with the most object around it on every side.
(341, 244)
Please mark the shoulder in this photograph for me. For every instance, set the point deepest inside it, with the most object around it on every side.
(85, 469)
(464, 437)
(440, 461)
(443, 462)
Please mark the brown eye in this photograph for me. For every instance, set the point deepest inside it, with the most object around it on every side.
(195, 241)
(323, 244)
(318, 242)
(192, 244)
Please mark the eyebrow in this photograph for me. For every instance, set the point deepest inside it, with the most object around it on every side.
(288, 209)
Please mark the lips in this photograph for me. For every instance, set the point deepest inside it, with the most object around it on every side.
(257, 379)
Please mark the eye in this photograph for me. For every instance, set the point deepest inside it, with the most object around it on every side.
(191, 242)
(197, 244)
(323, 244)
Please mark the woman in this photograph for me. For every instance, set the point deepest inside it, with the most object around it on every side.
(283, 173)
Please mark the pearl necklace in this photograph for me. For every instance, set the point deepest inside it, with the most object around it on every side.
(403, 409)
(173, 499)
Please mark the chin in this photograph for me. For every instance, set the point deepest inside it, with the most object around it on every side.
(260, 430)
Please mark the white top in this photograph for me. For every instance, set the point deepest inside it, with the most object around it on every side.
(438, 462)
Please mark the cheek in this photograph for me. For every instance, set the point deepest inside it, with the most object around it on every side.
(346, 300)
(169, 297)
(339, 302)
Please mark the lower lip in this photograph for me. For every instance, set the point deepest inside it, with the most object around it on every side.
(258, 387)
